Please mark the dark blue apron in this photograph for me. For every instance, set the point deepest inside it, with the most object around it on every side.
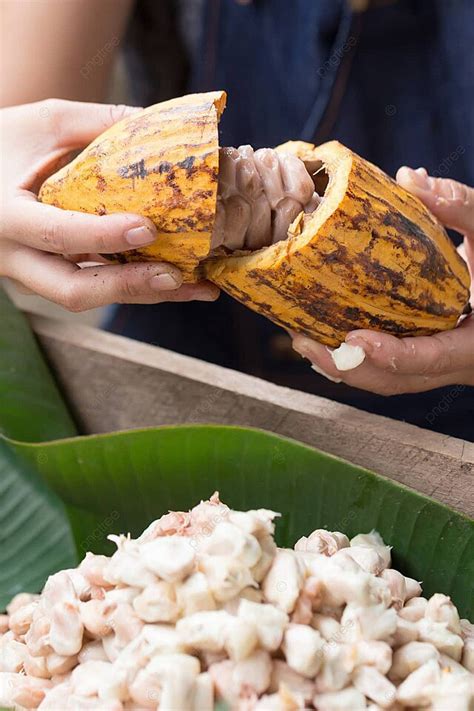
(395, 83)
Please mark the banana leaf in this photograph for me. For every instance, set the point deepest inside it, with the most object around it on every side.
(32, 408)
(35, 534)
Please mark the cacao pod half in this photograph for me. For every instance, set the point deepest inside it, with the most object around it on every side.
(370, 256)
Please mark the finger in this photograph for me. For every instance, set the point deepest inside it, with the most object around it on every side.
(78, 289)
(68, 232)
(440, 354)
(320, 356)
(369, 376)
(20, 287)
(450, 201)
(77, 123)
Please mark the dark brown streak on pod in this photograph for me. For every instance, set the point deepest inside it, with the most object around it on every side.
(171, 181)
(188, 165)
(381, 324)
(201, 194)
(402, 223)
(213, 172)
(383, 275)
(333, 339)
(259, 306)
(134, 170)
(339, 255)
(424, 303)
(189, 223)
(286, 272)
(163, 167)
(241, 295)
(101, 183)
(374, 238)
(434, 265)
(380, 273)
(366, 219)
(318, 305)
(352, 313)
(415, 206)
(321, 307)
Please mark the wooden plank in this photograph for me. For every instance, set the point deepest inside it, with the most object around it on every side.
(115, 383)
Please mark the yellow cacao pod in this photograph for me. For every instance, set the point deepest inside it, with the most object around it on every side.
(370, 256)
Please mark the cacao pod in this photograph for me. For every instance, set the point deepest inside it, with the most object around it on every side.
(370, 256)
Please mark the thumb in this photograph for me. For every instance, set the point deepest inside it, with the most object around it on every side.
(451, 202)
(77, 123)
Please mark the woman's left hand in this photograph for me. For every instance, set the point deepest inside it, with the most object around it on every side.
(393, 365)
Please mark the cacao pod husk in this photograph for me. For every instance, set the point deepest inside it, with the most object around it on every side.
(371, 256)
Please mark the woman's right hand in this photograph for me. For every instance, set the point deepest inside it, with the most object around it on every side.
(37, 241)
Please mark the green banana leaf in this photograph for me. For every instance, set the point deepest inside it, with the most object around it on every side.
(31, 407)
(35, 534)
(122, 481)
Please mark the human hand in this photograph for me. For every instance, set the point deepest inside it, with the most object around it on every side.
(40, 244)
(407, 365)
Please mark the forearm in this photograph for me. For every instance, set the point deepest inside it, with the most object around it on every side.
(72, 43)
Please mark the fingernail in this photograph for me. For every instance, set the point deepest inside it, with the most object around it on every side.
(356, 340)
(140, 236)
(207, 294)
(303, 346)
(419, 177)
(164, 282)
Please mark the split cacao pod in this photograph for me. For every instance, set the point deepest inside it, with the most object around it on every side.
(371, 255)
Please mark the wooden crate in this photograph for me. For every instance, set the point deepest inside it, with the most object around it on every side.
(114, 383)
